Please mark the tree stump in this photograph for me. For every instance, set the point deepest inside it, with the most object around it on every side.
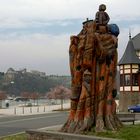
(93, 65)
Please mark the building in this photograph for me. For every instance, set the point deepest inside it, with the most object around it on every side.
(129, 66)
(38, 73)
(11, 74)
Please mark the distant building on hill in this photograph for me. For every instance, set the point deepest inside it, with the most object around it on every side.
(38, 73)
(11, 73)
(129, 66)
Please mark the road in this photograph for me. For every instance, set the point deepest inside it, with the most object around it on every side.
(17, 124)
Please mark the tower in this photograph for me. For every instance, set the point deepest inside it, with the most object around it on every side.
(129, 66)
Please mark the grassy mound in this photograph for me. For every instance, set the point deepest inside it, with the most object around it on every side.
(128, 132)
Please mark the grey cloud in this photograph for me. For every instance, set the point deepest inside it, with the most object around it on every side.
(35, 33)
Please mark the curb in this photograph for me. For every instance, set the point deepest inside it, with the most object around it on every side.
(55, 135)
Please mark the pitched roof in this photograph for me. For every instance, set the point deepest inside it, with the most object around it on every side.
(136, 42)
(129, 56)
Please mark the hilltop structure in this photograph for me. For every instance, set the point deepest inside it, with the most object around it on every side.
(11, 74)
(129, 66)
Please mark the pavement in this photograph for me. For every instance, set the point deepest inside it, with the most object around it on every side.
(23, 111)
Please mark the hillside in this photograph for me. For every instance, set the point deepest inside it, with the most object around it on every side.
(16, 83)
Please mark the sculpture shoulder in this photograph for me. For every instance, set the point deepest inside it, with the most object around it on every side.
(106, 14)
(97, 13)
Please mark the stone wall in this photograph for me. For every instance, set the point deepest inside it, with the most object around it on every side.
(128, 98)
(55, 135)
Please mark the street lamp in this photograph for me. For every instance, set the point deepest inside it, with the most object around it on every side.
(12, 82)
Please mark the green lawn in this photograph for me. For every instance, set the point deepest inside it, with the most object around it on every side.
(16, 137)
(128, 132)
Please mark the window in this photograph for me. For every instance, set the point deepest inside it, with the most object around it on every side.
(127, 80)
(121, 80)
(134, 79)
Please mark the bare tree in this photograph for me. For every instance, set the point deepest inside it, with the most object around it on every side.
(25, 96)
(59, 92)
(34, 96)
(3, 96)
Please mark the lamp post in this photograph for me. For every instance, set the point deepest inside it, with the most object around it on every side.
(12, 83)
(62, 99)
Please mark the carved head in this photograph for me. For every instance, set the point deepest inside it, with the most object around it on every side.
(102, 7)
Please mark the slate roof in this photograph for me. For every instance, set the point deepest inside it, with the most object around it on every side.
(136, 41)
(129, 56)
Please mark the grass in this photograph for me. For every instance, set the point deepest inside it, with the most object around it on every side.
(128, 132)
(22, 136)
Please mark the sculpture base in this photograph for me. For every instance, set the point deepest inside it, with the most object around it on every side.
(55, 135)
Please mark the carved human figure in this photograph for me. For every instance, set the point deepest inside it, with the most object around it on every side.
(102, 18)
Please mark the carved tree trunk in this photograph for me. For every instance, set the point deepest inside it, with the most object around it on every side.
(93, 63)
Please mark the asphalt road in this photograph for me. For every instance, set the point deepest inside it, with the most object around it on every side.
(12, 125)
(17, 124)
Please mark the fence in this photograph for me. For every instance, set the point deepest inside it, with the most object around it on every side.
(40, 109)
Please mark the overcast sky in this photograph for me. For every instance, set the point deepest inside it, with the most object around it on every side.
(34, 34)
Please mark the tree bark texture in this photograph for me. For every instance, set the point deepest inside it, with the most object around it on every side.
(93, 64)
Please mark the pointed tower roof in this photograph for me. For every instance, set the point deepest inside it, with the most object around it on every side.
(129, 56)
(136, 41)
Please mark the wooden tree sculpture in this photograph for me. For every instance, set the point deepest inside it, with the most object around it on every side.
(93, 64)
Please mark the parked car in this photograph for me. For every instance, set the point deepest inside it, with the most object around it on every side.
(22, 99)
(134, 108)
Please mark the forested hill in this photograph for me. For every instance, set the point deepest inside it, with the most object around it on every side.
(15, 84)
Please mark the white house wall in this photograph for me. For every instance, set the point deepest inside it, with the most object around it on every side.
(135, 88)
(134, 70)
(127, 66)
(127, 71)
(121, 88)
(127, 88)
(121, 71)
(135, 66)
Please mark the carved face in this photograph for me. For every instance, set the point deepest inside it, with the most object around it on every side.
(102, 7)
